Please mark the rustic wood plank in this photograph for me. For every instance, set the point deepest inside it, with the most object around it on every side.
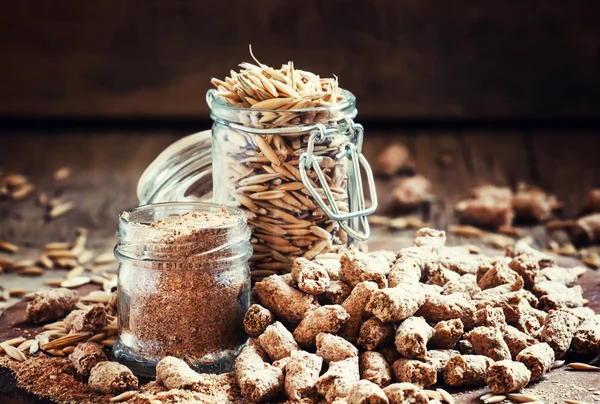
(497, 157)
(403, 59)
(106, 167)
(567, 164)
(105, 170)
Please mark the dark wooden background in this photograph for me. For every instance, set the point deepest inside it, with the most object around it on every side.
(404, 59)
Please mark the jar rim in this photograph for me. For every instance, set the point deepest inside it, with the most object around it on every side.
(139, 241)
(125, 218)
(216, 103)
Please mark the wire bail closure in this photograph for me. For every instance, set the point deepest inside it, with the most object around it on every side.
(358, 212)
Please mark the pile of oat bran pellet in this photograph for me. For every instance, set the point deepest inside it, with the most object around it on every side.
(383, 327)
(360, 328)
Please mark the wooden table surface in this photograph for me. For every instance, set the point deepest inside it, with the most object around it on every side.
(106, 165)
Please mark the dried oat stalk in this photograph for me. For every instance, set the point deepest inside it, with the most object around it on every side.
(258, 86)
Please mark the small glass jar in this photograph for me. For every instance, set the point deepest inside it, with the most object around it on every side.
(296, 174)
(184, 285)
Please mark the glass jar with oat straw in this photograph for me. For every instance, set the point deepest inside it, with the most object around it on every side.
(184, 285)
(287, 152)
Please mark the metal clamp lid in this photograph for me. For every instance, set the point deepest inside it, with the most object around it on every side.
(353, 153)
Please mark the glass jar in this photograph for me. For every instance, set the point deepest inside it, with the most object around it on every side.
(181, 172)
(296, 174)
(184, 285)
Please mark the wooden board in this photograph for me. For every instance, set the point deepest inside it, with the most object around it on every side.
(107, 164)
(403, 59)
(559, 384)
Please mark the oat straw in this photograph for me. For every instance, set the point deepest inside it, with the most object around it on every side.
(75, 282)
(494, 399)
(13, 352)
(8, 247)
(60, 209)
(522, 398)
(67, 340)
(583, 366)
(123, 396)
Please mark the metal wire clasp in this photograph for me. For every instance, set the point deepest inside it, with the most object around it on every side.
(356, 218)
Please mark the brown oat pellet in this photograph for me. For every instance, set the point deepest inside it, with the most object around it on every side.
(533, 204)
(430, 238)
(112, 377)
(395, 304)
(374, 368)
(339, 379)
(439, 275)
(173, 373)
(357, 267)
(50, 305)
(415, 372)
(527, 266)
(500, 274)
(333, 348)
(327, 319)
(412, 336)
(530, 322)
(287, 303)
(538, 358)
(517, 340)
(337, 291)
(558, 330)
(439, 357)
(85, 356)
(489, 341)
(436, 308)
(366, 392)
(507, 376)
(355, 306)
(301, 375)
(277, 341)
(466, 370)
(446, 334)
(490, 317)
(282, 363)
(511, 304)
(561, 296)
(490, 206)
(403, 393)
(332, 266)
(405, 271)
(582, 313)
(257, 319)
(587, 336)
(258, 381)
(467, 283)
(465, 347)
(566, 276)
(92, 320)
(375, 334)
(310, 277)
(390, 353)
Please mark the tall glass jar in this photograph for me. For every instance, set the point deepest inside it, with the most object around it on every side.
(297, 176)
(184, 285)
